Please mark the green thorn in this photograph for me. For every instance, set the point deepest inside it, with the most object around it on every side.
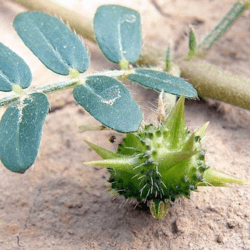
(169, 160)
(176, 122)
(216, 178)
(192, 42)
(168, 58)
(118, 163)
(104, 153)
(189, 145)
(201, 131)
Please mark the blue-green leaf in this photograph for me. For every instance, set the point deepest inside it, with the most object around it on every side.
(159, 81)
(52, 42)
(20, 132)
(118, 32)
(109, 102)
(13, 70)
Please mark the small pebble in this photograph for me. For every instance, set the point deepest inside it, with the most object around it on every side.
(220, 238)
(231, 224)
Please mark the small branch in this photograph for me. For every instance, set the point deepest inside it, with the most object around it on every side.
(56, 86)
(47, 88)
(9, 99)
(226, 22)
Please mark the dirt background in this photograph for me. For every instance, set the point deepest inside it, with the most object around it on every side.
(61, 204)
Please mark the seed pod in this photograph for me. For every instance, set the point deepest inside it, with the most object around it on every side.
(166, 163)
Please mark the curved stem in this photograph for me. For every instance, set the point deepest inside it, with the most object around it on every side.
(212, 82)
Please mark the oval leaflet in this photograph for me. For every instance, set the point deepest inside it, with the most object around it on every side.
(58, 48)
(159, 81)
(13, 70)
(21, 130)
(109, 102)
(118, 32)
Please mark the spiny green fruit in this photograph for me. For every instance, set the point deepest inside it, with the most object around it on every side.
(160, 164)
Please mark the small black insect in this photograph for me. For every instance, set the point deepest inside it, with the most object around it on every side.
(112, 139)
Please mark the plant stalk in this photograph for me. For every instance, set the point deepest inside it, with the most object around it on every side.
(212, 82)
(46, 88)
(9, 99)
(56, 86)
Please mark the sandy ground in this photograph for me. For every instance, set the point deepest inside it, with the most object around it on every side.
(61, 204)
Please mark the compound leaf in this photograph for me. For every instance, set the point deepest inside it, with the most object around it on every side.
(13, 70)
(58, 48)
(159, 81)
(109, 102)
(20, 132)
(118, 32)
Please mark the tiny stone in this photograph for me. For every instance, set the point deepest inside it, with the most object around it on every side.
(190, 244)
(68, 143)
(179, 226)
(71, 232)
(81, 111)
(97, 194)
(220, 238)
(232, 224)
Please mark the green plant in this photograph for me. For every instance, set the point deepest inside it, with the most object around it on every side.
(62, 51)
(230, 88)
(154, 163)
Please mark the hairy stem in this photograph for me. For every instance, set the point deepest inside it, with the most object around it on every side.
(46, 88)
(211, 81)
(226, 22)
(9, 99)
(56, 86)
